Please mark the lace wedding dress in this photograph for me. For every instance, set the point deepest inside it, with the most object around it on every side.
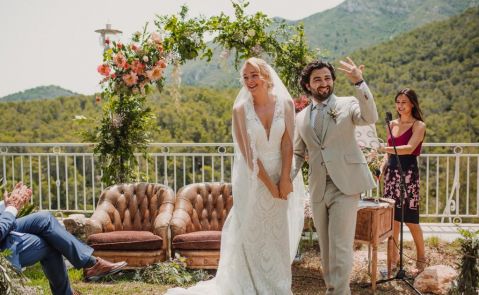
(261, 234)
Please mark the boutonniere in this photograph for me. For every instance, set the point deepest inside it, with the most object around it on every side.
(333, 113)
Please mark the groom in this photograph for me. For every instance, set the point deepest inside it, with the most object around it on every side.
(338, 171)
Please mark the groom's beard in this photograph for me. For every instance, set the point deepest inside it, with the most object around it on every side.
(323, 94)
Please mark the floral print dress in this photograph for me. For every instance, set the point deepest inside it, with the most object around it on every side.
(392, 181)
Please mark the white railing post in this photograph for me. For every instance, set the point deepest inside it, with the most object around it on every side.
(451, 204)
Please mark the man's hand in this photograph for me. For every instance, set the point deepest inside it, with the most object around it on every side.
(354, 73)
(19, 196)
(285, 187)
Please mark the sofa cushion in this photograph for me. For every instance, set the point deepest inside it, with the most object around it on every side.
(125, 240)
(199, 240)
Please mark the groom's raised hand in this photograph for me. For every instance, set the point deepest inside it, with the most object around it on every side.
(353, 72)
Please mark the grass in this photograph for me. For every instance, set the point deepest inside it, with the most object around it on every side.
(123, 284)
(307, 275)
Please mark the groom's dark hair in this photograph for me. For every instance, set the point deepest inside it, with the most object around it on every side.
(309, 68)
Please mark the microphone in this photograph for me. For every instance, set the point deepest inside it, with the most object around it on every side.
(389, 117)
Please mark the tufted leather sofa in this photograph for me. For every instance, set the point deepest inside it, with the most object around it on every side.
(200, 212)
(131, 222)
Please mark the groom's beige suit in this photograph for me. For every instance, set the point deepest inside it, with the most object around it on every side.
(338, 173)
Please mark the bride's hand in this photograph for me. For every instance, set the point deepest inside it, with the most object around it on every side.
(285, 187)
(274, 191)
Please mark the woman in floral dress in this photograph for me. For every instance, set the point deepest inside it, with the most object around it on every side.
(408, 131)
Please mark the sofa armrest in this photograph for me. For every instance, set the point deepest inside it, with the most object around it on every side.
(179, 222)
(92, 226)
(100, 221)
(162, 223)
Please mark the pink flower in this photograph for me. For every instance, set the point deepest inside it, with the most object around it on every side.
(120, 61)
(104, 70)
(107, 41)
(159, 47)
(161, 63)
(155, 73)
(300, 103)
(134, 47)
(137, 67)
(130, 79)
(119, 45)
(156, 37)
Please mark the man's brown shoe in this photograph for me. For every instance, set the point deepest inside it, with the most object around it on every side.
(102, 268)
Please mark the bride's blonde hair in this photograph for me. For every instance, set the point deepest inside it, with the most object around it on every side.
(261, 66)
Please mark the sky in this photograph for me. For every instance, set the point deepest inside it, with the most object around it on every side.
(52, 42)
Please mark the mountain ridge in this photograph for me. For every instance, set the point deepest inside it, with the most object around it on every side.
(38, 93)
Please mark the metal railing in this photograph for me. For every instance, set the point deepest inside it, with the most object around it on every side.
(67, 176)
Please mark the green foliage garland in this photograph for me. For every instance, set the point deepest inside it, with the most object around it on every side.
(130, 70)
(247, 35)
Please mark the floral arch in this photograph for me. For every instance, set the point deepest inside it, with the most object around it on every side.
(131, 71)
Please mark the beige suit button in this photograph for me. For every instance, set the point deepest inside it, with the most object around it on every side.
(322, 163)
(322, 147)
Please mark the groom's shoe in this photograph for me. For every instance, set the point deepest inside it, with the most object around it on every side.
(102, 268)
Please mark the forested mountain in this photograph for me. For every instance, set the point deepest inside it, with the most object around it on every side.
(200, 115)
(352, 25)
(356, 24)
(440, 61)
(41, 92)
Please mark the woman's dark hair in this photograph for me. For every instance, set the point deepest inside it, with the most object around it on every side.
(411, 94)
(309, 68)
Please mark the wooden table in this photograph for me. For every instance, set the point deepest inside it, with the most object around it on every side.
(375, 224)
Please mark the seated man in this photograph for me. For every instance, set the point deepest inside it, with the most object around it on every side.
(40, 237)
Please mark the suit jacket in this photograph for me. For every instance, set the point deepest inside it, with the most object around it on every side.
(7, 223)
(337, 148)
(9, 238)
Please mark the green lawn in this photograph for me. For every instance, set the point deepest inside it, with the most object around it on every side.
(124, 284)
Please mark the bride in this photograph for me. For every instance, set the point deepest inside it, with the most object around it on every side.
(261, 234)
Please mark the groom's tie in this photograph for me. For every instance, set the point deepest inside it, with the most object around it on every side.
(318, 121)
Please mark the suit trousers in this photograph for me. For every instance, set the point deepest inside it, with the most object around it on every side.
(40, 237)
(334, 216)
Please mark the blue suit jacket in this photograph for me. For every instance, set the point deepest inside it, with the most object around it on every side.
(9, 238)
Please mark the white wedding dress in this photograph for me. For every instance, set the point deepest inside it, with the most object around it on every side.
(257, 247)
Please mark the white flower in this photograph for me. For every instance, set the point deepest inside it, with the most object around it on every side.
(145, 58)
(117, 120)
(257, 49)
(251, 32)
(333, 113)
